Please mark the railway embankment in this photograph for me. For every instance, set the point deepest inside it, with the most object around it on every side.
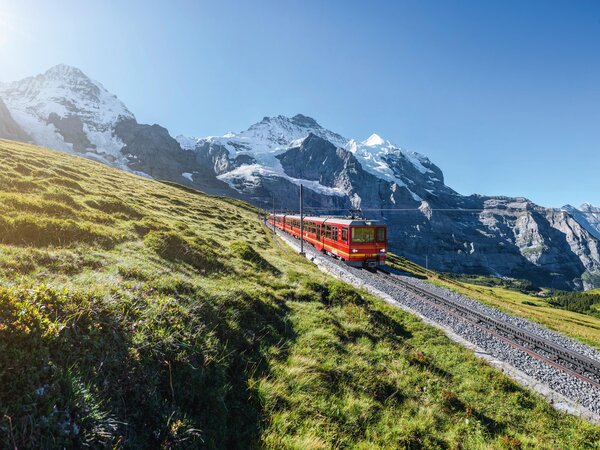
(564, 389)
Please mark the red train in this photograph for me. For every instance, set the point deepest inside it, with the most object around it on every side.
(358, 242)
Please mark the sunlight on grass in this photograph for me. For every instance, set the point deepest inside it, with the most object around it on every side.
(141, 314)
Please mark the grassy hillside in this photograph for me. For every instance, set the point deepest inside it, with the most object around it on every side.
(143, 315)
(583, 327)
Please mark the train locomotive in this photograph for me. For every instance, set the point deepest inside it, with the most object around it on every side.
(358, 242)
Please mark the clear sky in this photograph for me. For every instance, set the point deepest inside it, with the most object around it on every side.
(504, 96)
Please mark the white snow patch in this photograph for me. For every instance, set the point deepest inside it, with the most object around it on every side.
(374, 140)
(66, 91)
(253, 173)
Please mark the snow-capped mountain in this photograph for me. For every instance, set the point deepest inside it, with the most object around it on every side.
(587, 215)
(242, 159)
(66, 110)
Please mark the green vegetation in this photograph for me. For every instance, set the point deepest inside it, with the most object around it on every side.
(524, 286)
(582, 302)
(514, 297)
(137, 314)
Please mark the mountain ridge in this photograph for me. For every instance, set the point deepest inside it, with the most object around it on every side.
(267, 163)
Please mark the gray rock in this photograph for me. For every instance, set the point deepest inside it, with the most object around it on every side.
(71, 129)
(9, 129)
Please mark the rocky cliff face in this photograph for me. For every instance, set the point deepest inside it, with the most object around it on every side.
(588, 216)
(9, 129)
(428, 221)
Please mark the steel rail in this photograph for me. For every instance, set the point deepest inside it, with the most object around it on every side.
(582, 365)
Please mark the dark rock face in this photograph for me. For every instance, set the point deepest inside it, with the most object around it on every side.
(214, 157)
(150, 149)
(9, 129)
(318, 160)
(499, 236)
(304, 121)
(587, 216)
(71, 129)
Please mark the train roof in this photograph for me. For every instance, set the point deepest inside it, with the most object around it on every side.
(337, 220)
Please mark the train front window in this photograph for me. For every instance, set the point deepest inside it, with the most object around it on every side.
(363, 234)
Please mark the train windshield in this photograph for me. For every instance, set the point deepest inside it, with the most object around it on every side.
(368, 234)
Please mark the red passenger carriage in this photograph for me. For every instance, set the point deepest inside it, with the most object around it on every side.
(358, 242)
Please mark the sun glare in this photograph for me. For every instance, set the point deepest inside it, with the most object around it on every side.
(3, 28)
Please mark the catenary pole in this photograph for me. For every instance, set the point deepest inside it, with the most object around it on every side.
(302, 219)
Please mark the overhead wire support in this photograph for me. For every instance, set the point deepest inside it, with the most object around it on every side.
(302, 219)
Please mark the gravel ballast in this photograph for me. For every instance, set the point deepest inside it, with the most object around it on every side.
(566, 392)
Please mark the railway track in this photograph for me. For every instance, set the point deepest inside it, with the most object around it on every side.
(554, 364)
(551, 353)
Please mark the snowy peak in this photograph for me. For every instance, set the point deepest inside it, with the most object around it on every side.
(64, 72)
(305, 121)
(588, 207)
(65, 109)
(268, 137)
(587, 215)
(283, 130)
(373, 141)
(64, 90)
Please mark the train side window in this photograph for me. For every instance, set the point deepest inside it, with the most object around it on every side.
(380, 236)
(345, 234)
(334, 233)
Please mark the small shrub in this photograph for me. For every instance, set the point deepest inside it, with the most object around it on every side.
(114, 206)
(173, 247)
(340, 294)
(69, 184)
(528, 303)
(145, 225)
(133, 273)
(247, 253)
(510, 442)
(42, 232)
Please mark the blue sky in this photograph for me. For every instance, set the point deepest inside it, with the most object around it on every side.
(504, 96)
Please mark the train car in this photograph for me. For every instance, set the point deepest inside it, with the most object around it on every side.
(358, 242)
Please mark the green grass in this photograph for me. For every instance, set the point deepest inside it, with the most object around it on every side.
(514, 297)
(140, 314)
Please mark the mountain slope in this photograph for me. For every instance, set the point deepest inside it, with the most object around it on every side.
(66, 110)
(141, 314)
(9, 129)
(429, 222)
(588, 216)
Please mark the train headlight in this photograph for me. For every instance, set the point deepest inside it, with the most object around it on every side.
(382, 250)
(354, 250)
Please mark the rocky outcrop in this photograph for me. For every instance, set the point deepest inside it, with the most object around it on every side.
(588, 216)
(151, 150)
(71, 129)
(9, 129)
